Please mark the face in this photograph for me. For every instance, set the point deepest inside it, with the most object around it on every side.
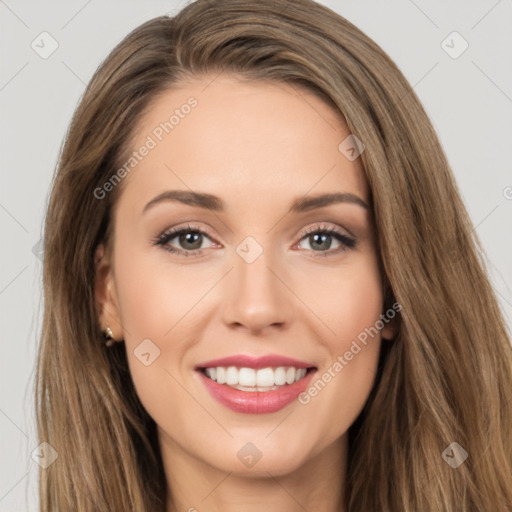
(241, 307)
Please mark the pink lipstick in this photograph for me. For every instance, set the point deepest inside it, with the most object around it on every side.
(255, 385)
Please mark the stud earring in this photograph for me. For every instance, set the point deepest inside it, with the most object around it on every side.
(109, 336)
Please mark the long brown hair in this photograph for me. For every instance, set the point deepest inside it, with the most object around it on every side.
(446, 376)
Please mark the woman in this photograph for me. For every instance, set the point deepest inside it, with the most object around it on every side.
(262, 365)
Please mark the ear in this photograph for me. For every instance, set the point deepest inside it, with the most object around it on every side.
(391, 313)
(106, 295)
(390, 329)
(391, 319)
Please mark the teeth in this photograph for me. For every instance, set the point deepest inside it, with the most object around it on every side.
(232, 376)
(221, 375)
(249, 379)
(246, 377)
(299, 374)
(212, 373)
(280, 375)
(265, 377)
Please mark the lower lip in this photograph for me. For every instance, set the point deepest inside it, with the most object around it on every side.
(256, 402)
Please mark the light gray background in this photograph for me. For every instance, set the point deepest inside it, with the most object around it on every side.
(469, 100)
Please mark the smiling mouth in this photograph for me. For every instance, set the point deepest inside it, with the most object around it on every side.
(251, 379)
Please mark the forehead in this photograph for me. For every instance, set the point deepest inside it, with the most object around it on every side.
(246, 141)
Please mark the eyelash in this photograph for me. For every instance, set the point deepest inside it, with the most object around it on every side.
(163, 239)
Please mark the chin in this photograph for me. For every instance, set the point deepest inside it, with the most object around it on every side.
(258, 458)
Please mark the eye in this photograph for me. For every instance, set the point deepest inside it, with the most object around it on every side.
(320, 240)
(190, 239)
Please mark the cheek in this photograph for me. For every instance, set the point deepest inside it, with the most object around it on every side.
(351, 307)
(345, 300)
(151, 308)
(153, 298)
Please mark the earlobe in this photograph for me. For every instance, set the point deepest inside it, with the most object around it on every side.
(390, 330)
(387, 333)
(390, 316)
(105, 295)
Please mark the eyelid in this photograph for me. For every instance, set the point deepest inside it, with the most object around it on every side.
(347, 241)
(324, 227)
(176, 231)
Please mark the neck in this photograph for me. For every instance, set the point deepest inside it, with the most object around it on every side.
(196, 486)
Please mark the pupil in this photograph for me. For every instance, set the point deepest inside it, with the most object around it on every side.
(188, 238)
(322, 237)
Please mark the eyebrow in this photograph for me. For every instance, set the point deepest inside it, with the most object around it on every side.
(214, 203)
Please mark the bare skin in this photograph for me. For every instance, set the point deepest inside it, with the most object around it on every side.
(258, 147)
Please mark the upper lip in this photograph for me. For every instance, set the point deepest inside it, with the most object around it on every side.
(246, 361)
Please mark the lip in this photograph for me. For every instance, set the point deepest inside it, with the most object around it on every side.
(256, 402)
(245, 361)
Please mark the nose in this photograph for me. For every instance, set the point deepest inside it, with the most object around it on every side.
(257, 296)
